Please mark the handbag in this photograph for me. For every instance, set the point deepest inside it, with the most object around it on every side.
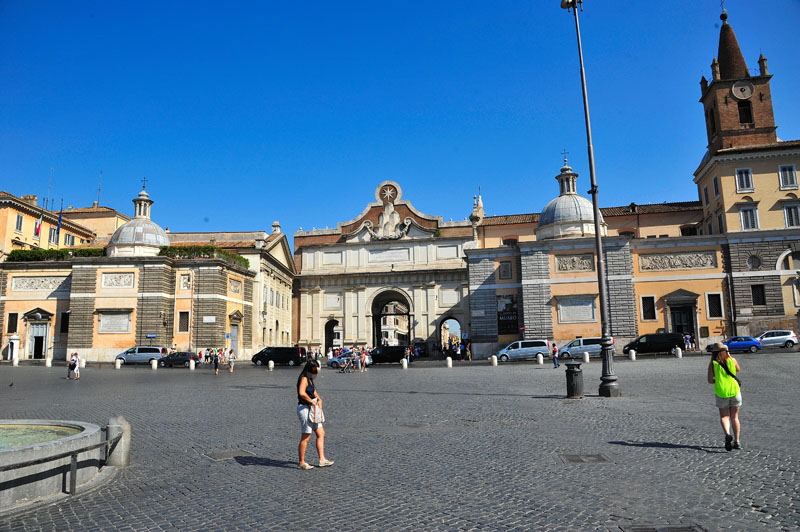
(725, 367)
(315, 414)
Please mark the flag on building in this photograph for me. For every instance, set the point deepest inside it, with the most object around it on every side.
(37, 227)
(58, 228)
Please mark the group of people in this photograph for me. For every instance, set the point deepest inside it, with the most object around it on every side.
(217, 356)
(355, 356)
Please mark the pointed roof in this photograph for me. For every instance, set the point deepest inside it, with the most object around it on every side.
(731, 60)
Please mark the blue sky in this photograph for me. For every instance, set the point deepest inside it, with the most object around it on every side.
(242, 113)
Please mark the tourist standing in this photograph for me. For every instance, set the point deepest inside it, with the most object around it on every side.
(556, 365)
(215, 361)
(309, 412)
(73, 366)
(231, 358)
(722, 372)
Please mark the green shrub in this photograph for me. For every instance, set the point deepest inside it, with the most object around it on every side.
(204, 252)
(40, 255)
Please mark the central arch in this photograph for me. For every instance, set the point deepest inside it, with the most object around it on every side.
(391, 312)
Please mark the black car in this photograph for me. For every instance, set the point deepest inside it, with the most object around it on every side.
(389, 353)
(181, 358)
(656, 343)
(294, 356)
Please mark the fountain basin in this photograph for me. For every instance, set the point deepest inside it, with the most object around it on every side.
(23, 440)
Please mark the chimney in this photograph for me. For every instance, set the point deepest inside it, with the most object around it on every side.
(94, 204)
(276, 227)
(30, 199)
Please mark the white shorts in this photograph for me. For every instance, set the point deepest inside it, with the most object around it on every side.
(727, 402)
(302, 415)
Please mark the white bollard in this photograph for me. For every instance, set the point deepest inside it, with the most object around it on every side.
(15, 362)
(493, 360)
(585, 358)
(632, 354)
(117, 364)
(404, 363)
(120, 455)
(83, 363)
(539, 359)
(270, 365)
(191, 364)
(449, 362)
(678, 352)
(48, 362)
(154, 364)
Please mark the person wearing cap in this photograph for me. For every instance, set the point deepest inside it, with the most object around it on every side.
(722, 372)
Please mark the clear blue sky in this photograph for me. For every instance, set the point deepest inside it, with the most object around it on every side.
(240, 113)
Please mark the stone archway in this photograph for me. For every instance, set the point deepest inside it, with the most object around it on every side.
(391, 313)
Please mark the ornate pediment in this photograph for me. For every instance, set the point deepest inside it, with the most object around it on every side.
(37, 314)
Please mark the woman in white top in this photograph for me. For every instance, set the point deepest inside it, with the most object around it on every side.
(231, 358)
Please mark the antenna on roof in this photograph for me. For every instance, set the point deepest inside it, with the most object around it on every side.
(49, 186)
(99, 186)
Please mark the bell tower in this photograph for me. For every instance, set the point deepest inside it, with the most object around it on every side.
(737, 106)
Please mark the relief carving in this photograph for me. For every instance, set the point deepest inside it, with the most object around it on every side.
(117, 280)
(575, 263)
(19, 284)
(235, 286)
(678, 261)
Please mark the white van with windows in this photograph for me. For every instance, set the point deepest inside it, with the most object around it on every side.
(524, 349)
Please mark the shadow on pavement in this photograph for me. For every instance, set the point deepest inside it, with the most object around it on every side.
(268, 462)
(664, 445)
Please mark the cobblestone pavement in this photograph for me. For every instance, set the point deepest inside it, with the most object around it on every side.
(474, 447)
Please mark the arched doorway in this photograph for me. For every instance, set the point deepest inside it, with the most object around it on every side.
(391, 319)
(333, 335)
(449, 337)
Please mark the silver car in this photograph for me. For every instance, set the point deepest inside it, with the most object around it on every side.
(782, 338)
(141, 354)
(524, 349)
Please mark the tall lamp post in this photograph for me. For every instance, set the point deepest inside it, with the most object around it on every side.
(609, 387)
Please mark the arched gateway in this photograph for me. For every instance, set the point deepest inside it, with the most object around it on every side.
(386, 277)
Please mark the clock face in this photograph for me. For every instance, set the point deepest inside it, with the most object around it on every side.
(742, 90)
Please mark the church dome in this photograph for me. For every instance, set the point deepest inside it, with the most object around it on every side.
(568, 215)
(140, 236)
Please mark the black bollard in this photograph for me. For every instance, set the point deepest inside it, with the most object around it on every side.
(574, 380)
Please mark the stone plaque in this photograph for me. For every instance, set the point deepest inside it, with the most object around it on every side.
(114, 322)
(446, 252)
(186, 282)
(24, 284)
(575, 263)
(448, 297)
(678, 261)
(332, 300)
(332, 257)
(235, 286)
(576, 309)
(117, 280)
(390, 255)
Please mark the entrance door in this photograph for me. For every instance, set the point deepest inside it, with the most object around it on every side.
(682, 320)
(235, 337)
(39, 339)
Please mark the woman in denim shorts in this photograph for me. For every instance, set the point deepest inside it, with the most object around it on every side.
(722, 372)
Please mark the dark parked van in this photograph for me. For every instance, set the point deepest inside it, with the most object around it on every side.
(389, 353)
(294, 356)
(655, 343)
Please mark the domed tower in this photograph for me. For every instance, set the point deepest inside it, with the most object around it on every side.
(569, 215)
(140, 237)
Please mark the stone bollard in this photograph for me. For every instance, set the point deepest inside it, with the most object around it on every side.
(15, 361)
(191, 364)
(404, 363)
(678, 352)
(632, 354)
(154, 364)
(117, 364)
(119, 455)
(493, 360)
(449, 362)
(48, 362)
(83, 363)
(270, 365)
(539, 359)
(585, 358)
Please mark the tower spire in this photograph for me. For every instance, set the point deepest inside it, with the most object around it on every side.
(729, 55)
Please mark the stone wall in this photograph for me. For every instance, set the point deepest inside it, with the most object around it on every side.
(621, 301)
(81, 316)
(154, 312)
(210, 281)
(483, 303)
(536, 306)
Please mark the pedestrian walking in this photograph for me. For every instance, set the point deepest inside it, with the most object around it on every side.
(231, 358)
(74, 366)
(215, 361)
(309, 412)
(556, 365)
(722, 372)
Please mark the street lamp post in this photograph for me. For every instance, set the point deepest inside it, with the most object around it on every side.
(609, 387)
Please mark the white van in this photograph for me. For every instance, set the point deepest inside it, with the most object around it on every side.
(524, 349)
(579, 346)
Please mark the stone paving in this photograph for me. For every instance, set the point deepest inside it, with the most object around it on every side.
(474, 447)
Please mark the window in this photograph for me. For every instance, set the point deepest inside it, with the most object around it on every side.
(505, 270)
(12, 322)
(744, 180)
(720, 222)
(183, 322)
(705, 195)
(64, 328)
(648, 305)
(792, 215)
(749, 216)
(271, 297)
(745, 113)
(18, 227)
(712, 122)
(688, 230)
(716, 187)
(758, 293)
(714, 306)
(788, 176)
(53, 237)
(709, 227)
(69, 240)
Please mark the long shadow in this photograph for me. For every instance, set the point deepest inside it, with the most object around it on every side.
(665, 445)
(259, 461)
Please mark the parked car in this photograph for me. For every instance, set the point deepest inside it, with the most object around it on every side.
(294, 356)
(656, 343)
(389, 353)
(782, 338)
(339, 361)
(522, 349)
(181, 358)
(742, 343)
(141, 354)
(578, 346)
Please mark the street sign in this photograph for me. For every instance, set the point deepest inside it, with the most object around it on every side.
(152, 336)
